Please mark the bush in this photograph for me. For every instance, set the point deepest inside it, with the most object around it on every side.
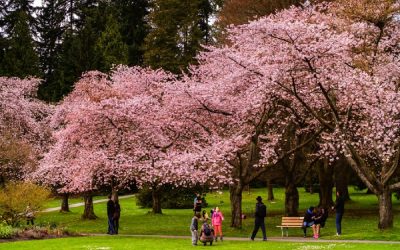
(7, 231)
(15, 197)
(170, 197)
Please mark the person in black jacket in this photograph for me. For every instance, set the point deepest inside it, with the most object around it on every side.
(261, 213)
(110, 215)
(308, 221)
(339, 207)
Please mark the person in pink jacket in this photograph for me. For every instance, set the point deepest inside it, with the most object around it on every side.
(216, 221)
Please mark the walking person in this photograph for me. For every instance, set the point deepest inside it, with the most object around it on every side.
(216, 220)
(261, 213)
(198, 205)
(117, 214)
(194, 228)
(110, 215)
(339, 207)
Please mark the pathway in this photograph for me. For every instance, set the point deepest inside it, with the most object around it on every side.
(80, 204)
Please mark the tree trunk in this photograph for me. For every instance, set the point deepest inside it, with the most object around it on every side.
(64, 203)
(88, 212)
(156, 201)
(236, 205)
(325, 176)
(385, 209)
(291, 199)
(270, 191)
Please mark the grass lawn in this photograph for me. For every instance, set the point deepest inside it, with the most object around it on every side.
(359, 222)
(125, 243)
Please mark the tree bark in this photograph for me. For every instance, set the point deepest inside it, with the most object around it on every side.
(270, 191)
(156, 209)
(88, 212)
(385, 209)
(236, 205)
(64, 203)
(325, 176)
(291, 199)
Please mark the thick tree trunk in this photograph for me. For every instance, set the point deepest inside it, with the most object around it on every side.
(64, 203)
(156, 201)
(236, 205)
(325, 176)
(385, 209)
(270, 191)
(88, 212)
(291, 199)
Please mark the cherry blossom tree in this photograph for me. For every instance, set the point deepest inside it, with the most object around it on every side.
(23, 131)
(342, 74)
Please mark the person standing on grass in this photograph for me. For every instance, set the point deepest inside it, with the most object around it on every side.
(117, 214)
(339, 207)
(216, 221)
(110, 215)
(29, 214)
(194, 227)
(261, 213)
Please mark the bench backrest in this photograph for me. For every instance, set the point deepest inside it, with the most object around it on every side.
(292, 221)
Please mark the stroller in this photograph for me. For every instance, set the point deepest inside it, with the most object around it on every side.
(206, 234)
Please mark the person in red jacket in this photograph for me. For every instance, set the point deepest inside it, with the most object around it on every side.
(216, 220)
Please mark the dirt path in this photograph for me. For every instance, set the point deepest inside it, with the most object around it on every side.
(80, 204)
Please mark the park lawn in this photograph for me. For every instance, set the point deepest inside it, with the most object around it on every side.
(56, 201)
(126, 243)
(360, 220)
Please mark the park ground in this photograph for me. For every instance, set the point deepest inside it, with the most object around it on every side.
(359, 226)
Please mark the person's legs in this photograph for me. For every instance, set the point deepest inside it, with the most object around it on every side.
(263, 230)
(194, 237)
(339, 223)
(116, 225)
(255, 230)
(314, 231)
(110, 225)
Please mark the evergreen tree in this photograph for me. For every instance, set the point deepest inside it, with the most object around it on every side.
(179, 27)
(110, 49)
(51, 21)
(20, 58)
(132, 16)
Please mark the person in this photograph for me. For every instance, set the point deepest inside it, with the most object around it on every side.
(110, 215)
(319, 220)
(216, 221)
(198, 205)
(204, 215)
(194, 227)
(260, 214)
(339, 208)
(30, 215)
(117, 214)
(308, 220)
(206, 233)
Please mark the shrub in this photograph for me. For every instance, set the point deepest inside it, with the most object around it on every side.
(15, 197)
(170, 197)
(7, 232)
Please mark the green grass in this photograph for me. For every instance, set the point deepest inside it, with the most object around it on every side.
(56, 201)
(360, 220)
(126, 243)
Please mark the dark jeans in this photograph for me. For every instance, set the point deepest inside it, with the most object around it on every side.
(259, 222)
(111, 229)
(29, 221)
(339, 217)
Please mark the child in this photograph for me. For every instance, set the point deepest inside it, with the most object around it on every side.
(194, 227)
(217, 219)
(206, 233)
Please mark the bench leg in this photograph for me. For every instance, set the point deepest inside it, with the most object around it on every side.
(282, 231)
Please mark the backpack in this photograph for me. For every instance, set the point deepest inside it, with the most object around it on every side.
(207, 230)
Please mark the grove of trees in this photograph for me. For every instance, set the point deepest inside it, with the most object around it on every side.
(309, 85)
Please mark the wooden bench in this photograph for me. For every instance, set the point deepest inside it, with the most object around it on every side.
(290, 222)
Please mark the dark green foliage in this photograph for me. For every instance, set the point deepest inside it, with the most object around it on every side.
(179, 28)
(170, 197)
(134, 27)
(20, 58)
